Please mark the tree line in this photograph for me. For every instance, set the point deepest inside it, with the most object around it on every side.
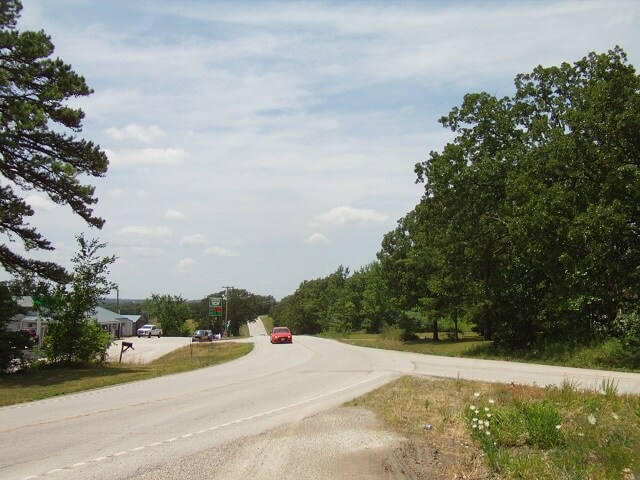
(179, 317)
(529, 226)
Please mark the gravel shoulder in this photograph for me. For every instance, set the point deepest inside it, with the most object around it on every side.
(342, 444)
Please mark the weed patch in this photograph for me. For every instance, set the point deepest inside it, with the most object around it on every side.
(516, 431)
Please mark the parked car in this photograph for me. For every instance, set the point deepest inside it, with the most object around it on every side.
(281, 335)
(202, 336)
(149, 331)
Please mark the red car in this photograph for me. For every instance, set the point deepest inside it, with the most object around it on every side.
(281, 335)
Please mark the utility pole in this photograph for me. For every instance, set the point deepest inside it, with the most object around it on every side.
(226, 309)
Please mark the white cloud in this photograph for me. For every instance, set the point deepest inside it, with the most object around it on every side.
(147, 231)
(149, 252)
(40, 203)
(174, 214)
(186, 265)
(136, 132)
(116, 193)
(190, 240)
(350, 216)
(318, 239)
(146, 157)
(120, 193)
(220, 252)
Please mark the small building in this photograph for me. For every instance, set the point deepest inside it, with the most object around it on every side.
(130, 324)
(117, 325)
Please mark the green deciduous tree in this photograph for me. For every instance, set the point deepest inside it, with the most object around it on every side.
(38, 144)
(530, 220)
(339, 302)
(171, 312)
(373, 302)
(74, 337)
(244, 306)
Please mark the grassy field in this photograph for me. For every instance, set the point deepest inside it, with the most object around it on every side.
(600, 356)
(37, 384)
(425, 344)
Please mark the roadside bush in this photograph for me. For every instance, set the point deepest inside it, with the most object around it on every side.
(627, 325)
(626, 329)
(391, 333)
(77, 343)
(409, 323)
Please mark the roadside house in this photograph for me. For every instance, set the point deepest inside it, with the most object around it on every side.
(117, 325)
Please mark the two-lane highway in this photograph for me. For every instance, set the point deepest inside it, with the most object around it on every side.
(120, 432)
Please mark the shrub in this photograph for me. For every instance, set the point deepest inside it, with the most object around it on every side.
(79, 343)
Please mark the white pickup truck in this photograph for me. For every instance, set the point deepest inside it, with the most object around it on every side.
(149, 331)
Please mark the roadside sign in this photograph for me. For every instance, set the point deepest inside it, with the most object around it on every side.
(215, 306)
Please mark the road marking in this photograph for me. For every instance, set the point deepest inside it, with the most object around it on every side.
(210, 429)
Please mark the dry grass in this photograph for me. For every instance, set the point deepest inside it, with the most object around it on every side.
(431, 411)
(535, 433)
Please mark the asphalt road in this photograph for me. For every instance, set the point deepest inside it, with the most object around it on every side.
(129, 430)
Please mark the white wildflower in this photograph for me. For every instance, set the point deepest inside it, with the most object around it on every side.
(591, 419)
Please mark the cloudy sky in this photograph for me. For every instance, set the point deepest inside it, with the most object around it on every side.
(260, 144)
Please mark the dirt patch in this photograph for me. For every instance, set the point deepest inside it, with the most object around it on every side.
(342, 444)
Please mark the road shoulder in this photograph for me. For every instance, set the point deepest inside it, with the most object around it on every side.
(344, 443)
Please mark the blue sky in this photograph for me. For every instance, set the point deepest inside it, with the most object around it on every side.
(260, 144)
